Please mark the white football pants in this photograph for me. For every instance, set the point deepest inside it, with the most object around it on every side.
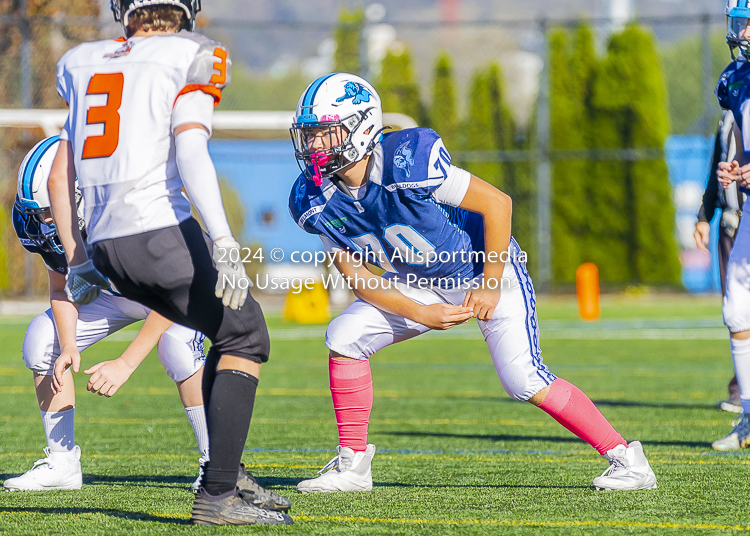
(180, 349)
(512, 334)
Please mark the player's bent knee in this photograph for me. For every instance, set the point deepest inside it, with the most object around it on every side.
(740, 335)
(736, 315)
(243, 333)
(178, 358)
(38, 345)
(344, 336)
(518, 382)
(736, 306)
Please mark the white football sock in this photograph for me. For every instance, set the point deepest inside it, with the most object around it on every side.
(741, 358)
(59, 427)
(197, 417)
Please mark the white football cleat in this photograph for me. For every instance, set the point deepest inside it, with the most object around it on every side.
(58, 470)
(196, 487)
(628, 470)
(738, 438)
(732, 405)
(349, 471)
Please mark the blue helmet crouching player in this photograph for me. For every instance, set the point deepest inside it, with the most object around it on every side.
(54, 339)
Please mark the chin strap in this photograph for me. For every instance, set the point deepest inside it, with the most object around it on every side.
(341, 185)
(741, 57)
(376, 138)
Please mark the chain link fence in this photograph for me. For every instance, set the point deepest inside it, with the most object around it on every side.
(275, 60)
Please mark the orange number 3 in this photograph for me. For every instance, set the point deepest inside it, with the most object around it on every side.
(105, 144)
(220, 78)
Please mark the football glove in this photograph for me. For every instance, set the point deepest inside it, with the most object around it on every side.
(233, 282)
(84, 283)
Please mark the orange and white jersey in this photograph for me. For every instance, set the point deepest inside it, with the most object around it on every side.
(122, 98)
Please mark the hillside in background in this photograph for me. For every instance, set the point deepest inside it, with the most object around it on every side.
(258, 47)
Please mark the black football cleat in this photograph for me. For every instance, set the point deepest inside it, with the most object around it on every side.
(230, 509)
(257, 495)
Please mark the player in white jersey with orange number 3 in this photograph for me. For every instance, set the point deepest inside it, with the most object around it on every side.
(137, 132)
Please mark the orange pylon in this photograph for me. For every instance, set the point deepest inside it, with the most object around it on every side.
(587, 289)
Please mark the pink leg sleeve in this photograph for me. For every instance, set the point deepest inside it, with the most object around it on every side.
(351, 389)
(569, 406)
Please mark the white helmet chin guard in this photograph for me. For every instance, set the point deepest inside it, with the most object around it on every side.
(32, 197)
(738, 14)
(343, 109)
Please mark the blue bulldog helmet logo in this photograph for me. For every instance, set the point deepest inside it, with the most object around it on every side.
(402, 158)
(356, 92)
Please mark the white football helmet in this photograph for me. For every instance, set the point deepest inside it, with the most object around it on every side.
(346, 110)
(32, 197)
(738, 13)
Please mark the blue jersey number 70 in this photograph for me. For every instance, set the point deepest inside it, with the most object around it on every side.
(407, 243)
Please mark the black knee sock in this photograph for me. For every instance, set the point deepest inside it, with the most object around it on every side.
(228, 417)
(209, 373)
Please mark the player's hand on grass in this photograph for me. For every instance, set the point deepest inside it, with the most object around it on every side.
(482, 301)
(443, 315)
(84, 283)
(728, 172)
(108, 376)
(228, 258)
(701, 235)
(69, 357)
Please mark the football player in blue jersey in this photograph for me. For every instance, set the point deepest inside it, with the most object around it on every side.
(733, 92)
(442, 238)
(55, 338)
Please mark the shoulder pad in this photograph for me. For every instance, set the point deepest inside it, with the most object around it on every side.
(731, 86)
(417, 159)
(63, 85)
(301, 209)
(211, 65)
(722, 86)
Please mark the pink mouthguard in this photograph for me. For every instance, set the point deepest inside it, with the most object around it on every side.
(318, 160)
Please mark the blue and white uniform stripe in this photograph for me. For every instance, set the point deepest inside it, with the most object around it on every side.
(532, 324)
(30, 167)
(309, 99)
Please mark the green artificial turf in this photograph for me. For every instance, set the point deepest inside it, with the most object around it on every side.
(456, 454)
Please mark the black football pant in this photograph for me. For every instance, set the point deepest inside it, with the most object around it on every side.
(171, 271)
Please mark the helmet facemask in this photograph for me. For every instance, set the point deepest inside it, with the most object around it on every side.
(336, 150)
(738, 33)
(39, 227)
(342, 114)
